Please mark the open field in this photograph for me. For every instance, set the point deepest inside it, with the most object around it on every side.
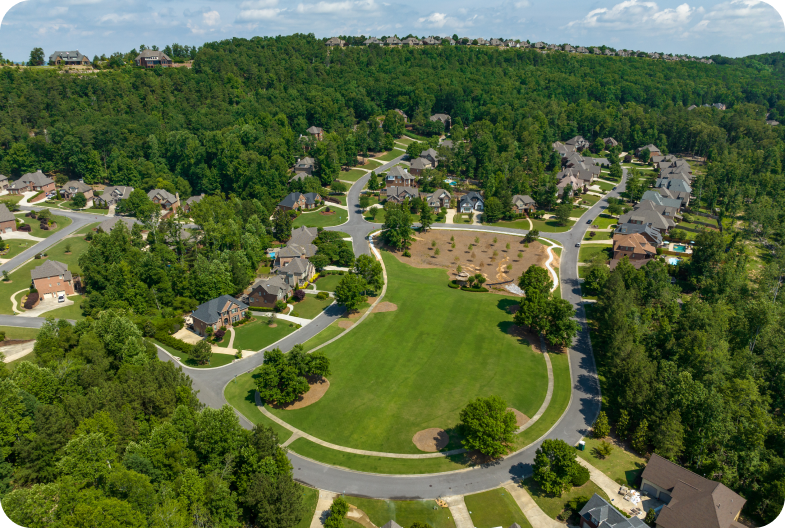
(317, 219)
(391, 155)
(399, 373)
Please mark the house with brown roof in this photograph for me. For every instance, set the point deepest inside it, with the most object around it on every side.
(438, 199)
(167, 200)
(691, 501)
(215, 313)
(74, 187)
(399, 177)
(335, 41)
(316, 132)
(32, 182)
(152, 58)
(635, 247)
(523, 203)
(266, 292)
(7, 220)
(52, 279)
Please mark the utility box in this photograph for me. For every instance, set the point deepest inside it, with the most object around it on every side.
(582, 445)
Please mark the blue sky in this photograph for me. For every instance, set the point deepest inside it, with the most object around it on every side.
(696, 27)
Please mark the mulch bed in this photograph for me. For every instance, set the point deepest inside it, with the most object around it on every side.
(318, 388)
(10, 342)
(520, 418)
(327, 213)
(385, 307)
(431, 440)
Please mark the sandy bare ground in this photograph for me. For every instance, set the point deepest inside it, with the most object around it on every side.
(487, 257)
(385, 307)
(520, 418)
(431, 440)
(318, 388)
(345, 324)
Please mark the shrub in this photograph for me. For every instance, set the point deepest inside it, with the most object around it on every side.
(295, 314)
(407, 254)
(580, 477)
(322, 295)
(239, 354)
(280, 306)
(219, 335)
(453, 284)
(604, 449)
(2, 336)
(177, 344)
(299, 295)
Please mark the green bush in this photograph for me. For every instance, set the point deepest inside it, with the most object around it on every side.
(453, 284)
(580, 477)
(407, 254)
(322, 295)
(260, 309)
(177, 344)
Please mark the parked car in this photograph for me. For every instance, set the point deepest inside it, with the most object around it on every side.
(589, 221)
(61, 298)
(578, 244)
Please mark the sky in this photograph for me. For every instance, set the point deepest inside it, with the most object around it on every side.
(696, 27)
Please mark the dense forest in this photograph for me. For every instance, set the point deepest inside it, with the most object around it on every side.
(700, 381)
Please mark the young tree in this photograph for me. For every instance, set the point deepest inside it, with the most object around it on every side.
(488, 426)
(563, 213)
(397, 228)
(426, 218)
(601, 427)
(371, 271)
(350, 292)
(650, 516)
(202, 352)
(555, 466)
(365, 201)
(604, 449)
(640, 440)
(338, 511)
(79, 200)
(373, 182)
(623, 423)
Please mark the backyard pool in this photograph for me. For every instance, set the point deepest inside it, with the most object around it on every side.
(673, 261)
(681, 248)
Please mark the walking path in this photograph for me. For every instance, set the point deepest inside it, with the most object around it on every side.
(21, 235)
(459, 511)
(231, 338)
(610, 487)
(548, 393)
(322, 508)
(534, 514)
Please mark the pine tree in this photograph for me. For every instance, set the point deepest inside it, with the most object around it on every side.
(622, 424)
(640, 438)
(601, 426)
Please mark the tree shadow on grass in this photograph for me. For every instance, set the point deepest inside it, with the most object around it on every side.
(507, 305)
(523, 336)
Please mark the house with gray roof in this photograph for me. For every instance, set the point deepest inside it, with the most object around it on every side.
(610, 142)
(373, 40)
(52, 280)
(113, 194)
(190, 202)
(651, 214)
(3, 182)
(392, 41)
(523, 203)
(306, 165)
(107, 225)
(152, 58)
(579, 142)
(74, 187)
(419, 165)
(7, 220)
(562, 148)
(68, 58)
(431, 155)
(601, 162)
(430, 41)
(471, 202)
(659, 199)
(398, 195)
(215, 313)
(316, 132)
(32, 182)
(264, 293)
(411, 42)
(398, 176)
(652, 234)
(444, 118)
(438, 199)
(652, 150)
(167, 200)
(297, 273)
(303, 236)
(335, 41)
(598, 512)
(538, 45)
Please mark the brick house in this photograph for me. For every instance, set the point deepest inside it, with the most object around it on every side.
(399, 177)
(191, 201)
(167, 200)
(296, 201)
(32, 182)
(215, 313)
(74, 187)
(297, 273)
(68, 58)
(438, 199)
(523, 203)
(7, 220)
(418, 166)
(152, 58)
(3, 182)
(399, 194)
(266, 292)
(316, 132)
(635, 247)
(114, 194)
(52, 279)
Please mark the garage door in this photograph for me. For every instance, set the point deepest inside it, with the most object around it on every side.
(665, 497)
(49, 296)
(649, 490)
(8, 230)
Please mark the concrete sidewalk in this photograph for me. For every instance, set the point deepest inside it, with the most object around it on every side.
(322, 508)
(535, 515)
(459, 511)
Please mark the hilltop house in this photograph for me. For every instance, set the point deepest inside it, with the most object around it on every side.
(335, 41)
(32, 182)
(52, 280)
(471, 202)
(190, 202)
(167, 200)
(73, 187)
(306, 165)
(68, 58)
(523, 203)
(395, 42)
(215, 313)
(691, 501)
(114, 194)
(7, 220)
(316, 132)
(152, 58)
(411, 42)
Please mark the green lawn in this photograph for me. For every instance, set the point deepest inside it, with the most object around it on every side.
(316, 219)
(548, 226)
(690, 225)
(36, 231)
(495, 508)
(310, 498)
(590, 198)
(415, 136)
(463, 218)
(379, 219)
(553, 506)
(73, 312)
(322, 337)
(399, 372)
(405, 140)
(621, 466)
(16, 246)
(599, 235)
(310, 307)
(15, 332)
(86, 229)
(371, 164)
(340, 197)
(76, 245)
(604, 221)
(240, 395)
(405, 513)
(11, 199)
(589, 251)
(605, 186)
(257, 335)
(391, 155)
(216, 360)
(328, 282)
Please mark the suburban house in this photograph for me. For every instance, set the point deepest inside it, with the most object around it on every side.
(373, 40)
(581, 49)
(36, 181)
(610, 142)
(430, 41)
(635, 247)
(581, 177)
(306, 165)
(68, 58)
(3, 182)
(335, 41)
(215, 313)
(52, 279)
(297, 201)
(676, 187)
(294, 251)
(523, 204)
(316, 132)
(598, 512)
(675, 194)
(661, 200)
(471, 202)
(569, 180)
(7, 220)
(438, 199)
(266, 292)
(411, 42)
(648, 213)
(392, 41)
(538, 45)
(297, 273)
(653, 151)
(299, 176)
(578, 142)
(191, 201)
(430, 155)
(691, 501)
(107, 225)
(112, 195)
(167, 200)
(400, 194)
(303, 235)
(662, 161)
(418, 166)
(74, 187)
(651, 234)
(444, 118)
(399, 177)
(563, 149)
(152, 58)
(401, 112)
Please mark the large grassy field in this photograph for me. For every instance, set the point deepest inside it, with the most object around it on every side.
(322, 337)
(399, 372)
(403, 512)
(316, 219)
(310, 307)
(257, 334)
(495, 508)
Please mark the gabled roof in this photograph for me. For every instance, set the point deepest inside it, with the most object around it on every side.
(314, 130)
(440, 117)
(107, 225)
(429, 154)
(525, 199)
(163, 195)
(119, 192)
(75, 186)
(273, 285)
(420, 163)
(5, 214)
(51, 268)
(305, 162)
(153, 55)
(210, 311)
(312, 198)
(195, 199)
(290, 199)
(296, 267)
(639, 244)
(471, 196)
(398, 172)
(659, 199)
(652, 232)
(303, 235)
(607, 516)
(401, 192)
(67, 55)
(38, 179)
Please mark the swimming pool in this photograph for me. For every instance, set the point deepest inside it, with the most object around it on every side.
(673, 261)
(681, 248)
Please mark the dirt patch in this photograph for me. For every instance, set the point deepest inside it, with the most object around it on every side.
(385, 307)
(487, 257)
(10, 342)
(520, 418)
(318, 388)
(525, 335)
(345, 324)
(431, 440)
(327, 213)
(273, 325)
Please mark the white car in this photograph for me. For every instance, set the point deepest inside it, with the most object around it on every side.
(61, 298)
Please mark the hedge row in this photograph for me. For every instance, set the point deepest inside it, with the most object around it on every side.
(177, 344)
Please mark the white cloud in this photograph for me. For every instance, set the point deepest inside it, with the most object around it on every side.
(741, 18)
(345, 6)
(211, 18)
(522, 3)
(258, 4)
(115, 18)
(250, 15)
(434, 20)
(636, 14)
